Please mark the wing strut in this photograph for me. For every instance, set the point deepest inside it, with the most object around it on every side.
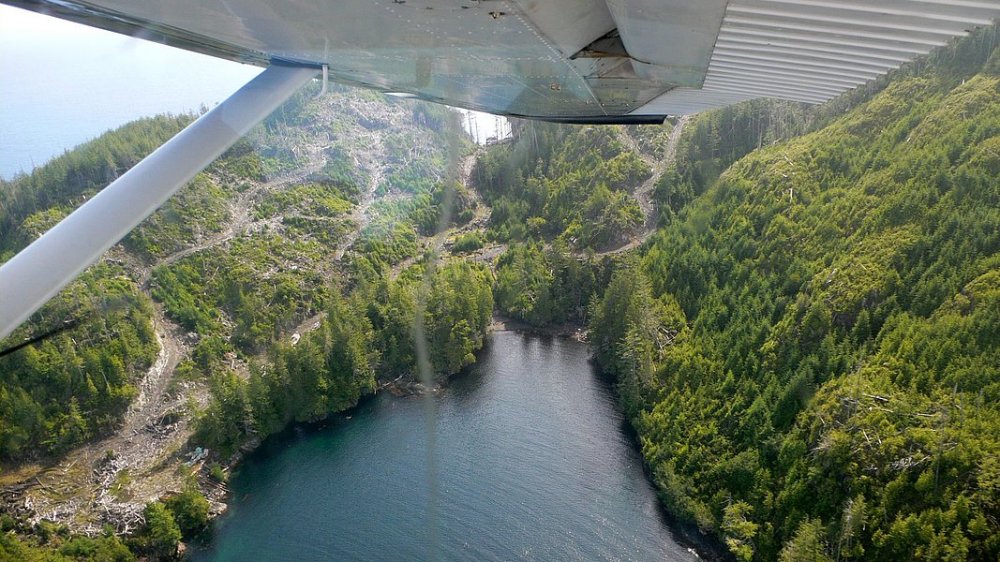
(37, 273)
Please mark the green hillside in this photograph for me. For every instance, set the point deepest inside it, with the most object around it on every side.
(77, 385)
(281, 285)
(809, 349)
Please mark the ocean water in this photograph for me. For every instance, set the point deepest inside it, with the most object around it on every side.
(62, 84)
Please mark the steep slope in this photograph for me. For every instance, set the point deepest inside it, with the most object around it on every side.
(267, 239)
(575, 184)
(809, 349)
(77, 384)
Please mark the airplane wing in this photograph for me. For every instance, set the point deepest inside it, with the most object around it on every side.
(588, 61)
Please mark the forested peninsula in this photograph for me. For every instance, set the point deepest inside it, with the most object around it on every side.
(799, 306)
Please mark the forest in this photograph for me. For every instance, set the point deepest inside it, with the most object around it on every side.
(806, 345)
(224, 273)
(366, 334)
(573, 184)
(76, 385)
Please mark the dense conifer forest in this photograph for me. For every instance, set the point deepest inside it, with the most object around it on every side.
(808, 346)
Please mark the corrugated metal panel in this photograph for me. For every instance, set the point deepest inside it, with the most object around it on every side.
(685, 101)
(814, 50)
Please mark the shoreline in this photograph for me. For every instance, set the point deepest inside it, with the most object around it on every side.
(218, 493)
(702, 545)
(570, 330)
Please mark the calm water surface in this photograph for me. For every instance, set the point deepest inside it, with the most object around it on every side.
(531, 461)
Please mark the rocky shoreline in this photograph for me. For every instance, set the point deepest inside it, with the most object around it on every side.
(693, 540)
(570, 330)
(209, 466)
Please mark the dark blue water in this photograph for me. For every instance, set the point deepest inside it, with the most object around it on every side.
(531, 460)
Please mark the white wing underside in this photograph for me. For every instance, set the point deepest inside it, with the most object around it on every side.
(573, 60)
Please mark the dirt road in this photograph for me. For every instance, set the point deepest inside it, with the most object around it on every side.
(644, 193)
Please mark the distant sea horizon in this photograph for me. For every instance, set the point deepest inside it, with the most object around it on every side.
(66, 84)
